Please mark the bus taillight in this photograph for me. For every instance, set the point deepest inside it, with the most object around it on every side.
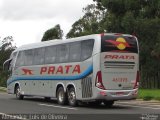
(99, 83)
(137, 80)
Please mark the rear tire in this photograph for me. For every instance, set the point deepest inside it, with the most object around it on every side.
(108, 103)
(61, 96)
(18, 93)
(72, 97)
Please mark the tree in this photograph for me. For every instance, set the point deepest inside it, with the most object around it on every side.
(53, 33)
(141, 17)
(6, 49)
(89, 23)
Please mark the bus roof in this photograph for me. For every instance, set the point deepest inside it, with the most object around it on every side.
(53, 42)
(59, 41)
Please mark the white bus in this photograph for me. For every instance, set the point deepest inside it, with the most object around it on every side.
(95, 68)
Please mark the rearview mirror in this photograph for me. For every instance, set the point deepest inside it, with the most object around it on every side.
(6, 64)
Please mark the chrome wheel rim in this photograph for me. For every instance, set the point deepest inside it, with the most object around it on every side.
(60, 96)
(72, 96)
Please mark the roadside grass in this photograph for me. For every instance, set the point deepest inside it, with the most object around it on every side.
(149, 94)
(2, 89)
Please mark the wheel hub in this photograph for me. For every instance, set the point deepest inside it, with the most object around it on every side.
(72, 96)
(60, 96)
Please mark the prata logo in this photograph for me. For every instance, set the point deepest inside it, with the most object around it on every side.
(27, 71)
(120, 43)
(123, 57)
(47, 70)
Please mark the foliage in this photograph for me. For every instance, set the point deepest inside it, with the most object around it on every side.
(6, 49)
(89, 23)
(53, 33)
(148, 94)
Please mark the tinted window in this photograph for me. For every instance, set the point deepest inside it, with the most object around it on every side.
(87, 48)
(75, 52)
(29, 55)
(38, 56)
(112, 43)
(62, 53)
(50, 54)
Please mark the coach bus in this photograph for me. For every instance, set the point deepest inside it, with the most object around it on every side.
(99, 68)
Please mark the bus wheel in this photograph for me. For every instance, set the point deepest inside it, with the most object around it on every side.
(108, 103)
(61, 96)
(72, 97)
(18, 93)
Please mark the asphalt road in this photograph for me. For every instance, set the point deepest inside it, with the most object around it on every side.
(38, 108)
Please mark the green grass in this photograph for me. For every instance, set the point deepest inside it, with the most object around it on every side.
(149, 94)
(2, 89)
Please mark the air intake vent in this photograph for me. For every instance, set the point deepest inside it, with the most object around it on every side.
(86, 87)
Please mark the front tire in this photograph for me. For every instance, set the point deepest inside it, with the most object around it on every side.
(72, 97)
(18, 93)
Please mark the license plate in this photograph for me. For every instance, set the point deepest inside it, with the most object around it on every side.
(119, 93)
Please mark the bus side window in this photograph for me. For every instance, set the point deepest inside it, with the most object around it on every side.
(50, 54)
(29, 55)
(75, 52)
(87, 48)
(38, 56)
(62, 53)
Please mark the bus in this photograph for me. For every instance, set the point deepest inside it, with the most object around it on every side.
(98, 68)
